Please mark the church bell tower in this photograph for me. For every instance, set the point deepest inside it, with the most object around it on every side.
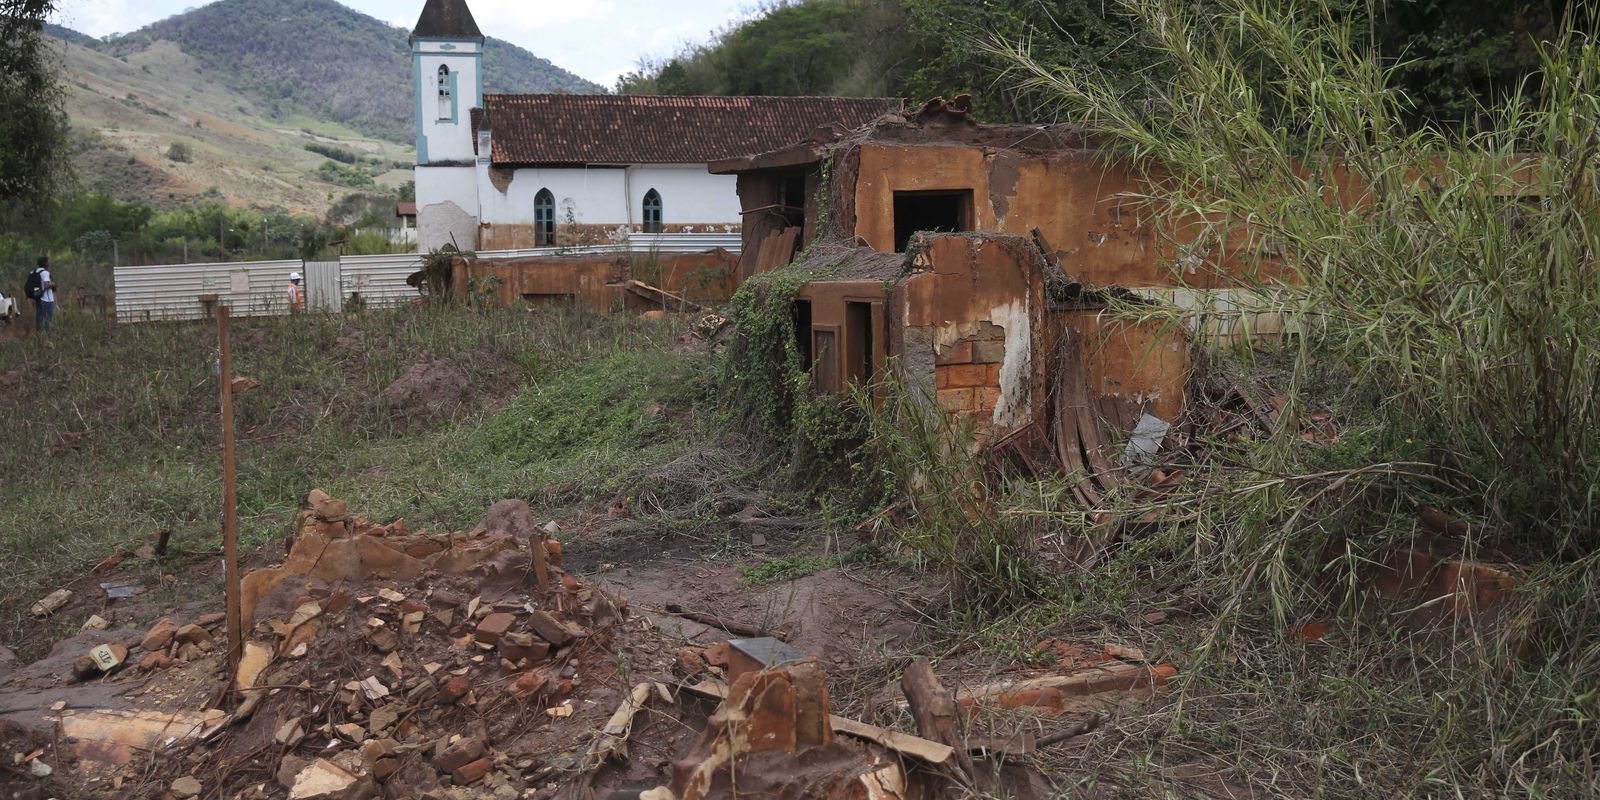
(447, 68)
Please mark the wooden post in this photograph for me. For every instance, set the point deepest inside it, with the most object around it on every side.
(935, 710)
(230, 510)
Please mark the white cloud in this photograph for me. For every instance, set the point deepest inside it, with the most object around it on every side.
(527, 16)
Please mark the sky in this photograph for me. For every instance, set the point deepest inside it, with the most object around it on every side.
(597, 39)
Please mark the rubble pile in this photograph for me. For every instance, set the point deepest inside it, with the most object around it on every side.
(384, 662)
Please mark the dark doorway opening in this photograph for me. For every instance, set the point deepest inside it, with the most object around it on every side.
(858, 342)
(801, 312)
(942, 212)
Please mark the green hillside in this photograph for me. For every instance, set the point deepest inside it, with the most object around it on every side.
(319, 58)
(268, 103)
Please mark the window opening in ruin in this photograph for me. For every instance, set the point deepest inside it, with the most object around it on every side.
(938, 211)
(652, 212)
(858, 342)
(446, 108)
(794, 198)
(801, 313)
(544, 218)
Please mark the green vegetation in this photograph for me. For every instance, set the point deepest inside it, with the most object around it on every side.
(33, 129)
(338, 154)
(320, 58)
(148, 459)
(352, 176)
(1452, 58)
(180, 152)
(87, 234)
(613, 402)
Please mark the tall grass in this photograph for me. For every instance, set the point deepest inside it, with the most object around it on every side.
(1446, 285)
(948, 519)
(1453, 271)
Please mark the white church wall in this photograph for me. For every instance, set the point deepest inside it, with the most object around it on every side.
(595, 195)
(447, 205)
(689, 194)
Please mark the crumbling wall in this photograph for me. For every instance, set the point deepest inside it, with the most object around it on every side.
(446, 223)
(1133, 368)
(978, 300)
(1084, 202)
(596, 281)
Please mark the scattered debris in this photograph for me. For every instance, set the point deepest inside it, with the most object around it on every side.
(118, 590)
(51, 603)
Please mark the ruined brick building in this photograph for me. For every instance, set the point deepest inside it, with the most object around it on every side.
(979, 258)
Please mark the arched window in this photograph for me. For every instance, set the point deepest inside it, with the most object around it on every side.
(544, 218)
(652, 212)
(446, 107)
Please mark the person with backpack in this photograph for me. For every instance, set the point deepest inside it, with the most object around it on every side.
(40, 289)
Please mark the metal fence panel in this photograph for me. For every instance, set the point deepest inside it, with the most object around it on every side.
(323, 293)
(380, 281)
(188, 291)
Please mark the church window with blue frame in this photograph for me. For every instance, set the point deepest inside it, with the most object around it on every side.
(544, 218)
(652, 212)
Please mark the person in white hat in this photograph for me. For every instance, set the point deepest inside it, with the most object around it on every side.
(297, 294)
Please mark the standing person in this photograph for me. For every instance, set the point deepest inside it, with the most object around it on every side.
(297, 294)
(41, 290)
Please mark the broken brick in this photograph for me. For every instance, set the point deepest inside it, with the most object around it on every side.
(469, 774)
(495, 626)
(156, 660)
(460, 754)
(549, 628)
(454, 689)
(528, 684)
(691, 662)
(192, 634)
(160, 635)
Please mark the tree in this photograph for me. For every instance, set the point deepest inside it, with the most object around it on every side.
(33, 131)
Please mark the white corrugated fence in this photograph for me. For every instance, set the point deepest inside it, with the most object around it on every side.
(187, 291)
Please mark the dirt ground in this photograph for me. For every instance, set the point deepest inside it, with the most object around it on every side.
(326, 703)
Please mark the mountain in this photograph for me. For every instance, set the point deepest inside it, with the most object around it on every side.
(287, 104)
(319, 57)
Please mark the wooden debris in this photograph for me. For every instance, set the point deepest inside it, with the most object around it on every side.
(902, 743)
(612, 740)
(934, 709)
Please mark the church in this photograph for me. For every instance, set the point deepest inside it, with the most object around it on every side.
(513, 171)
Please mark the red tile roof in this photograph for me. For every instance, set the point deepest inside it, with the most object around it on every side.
(405, 208)
(622, 129)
